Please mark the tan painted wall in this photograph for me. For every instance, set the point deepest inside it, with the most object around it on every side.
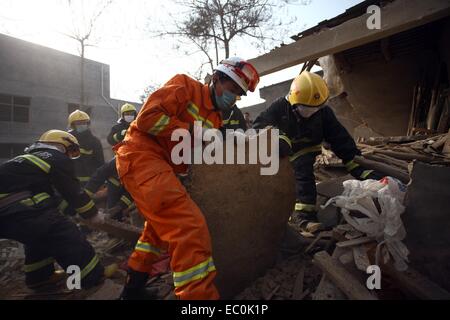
(379, 94)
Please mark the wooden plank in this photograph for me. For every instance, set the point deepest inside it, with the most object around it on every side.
(298, 286)
(361, 258)
(272, 293)
(117, 229)
(402, 175)
(354, 242)
(323, 234)
(409, 156)
(389, 160)
(347, 258)
(326, 290)
(334, 270)
(417, 284)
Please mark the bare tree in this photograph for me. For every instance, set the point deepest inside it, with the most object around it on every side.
(148, 91)
(83, 28)
(212, 25)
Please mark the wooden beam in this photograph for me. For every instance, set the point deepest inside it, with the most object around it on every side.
(298, 286)
(417, 284)
(117, 229)
(396, 17)
(336, 272)
(354, 242)
(384, 168)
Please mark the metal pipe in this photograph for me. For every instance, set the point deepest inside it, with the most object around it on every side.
(104, 98)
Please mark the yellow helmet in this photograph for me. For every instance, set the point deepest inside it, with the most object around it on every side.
(78, 115)
(127, 107)
(66, 139)
(308, 89)
(59, 136)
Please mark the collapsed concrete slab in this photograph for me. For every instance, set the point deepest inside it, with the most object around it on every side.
(246, 214)
(427, 222)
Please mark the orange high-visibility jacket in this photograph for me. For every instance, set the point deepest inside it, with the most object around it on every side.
(180, 102)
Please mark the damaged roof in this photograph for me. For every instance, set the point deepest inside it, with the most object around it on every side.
(349, 30)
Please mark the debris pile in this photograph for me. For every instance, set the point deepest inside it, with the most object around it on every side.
(394, 155)
(294, 278)
(350, 271)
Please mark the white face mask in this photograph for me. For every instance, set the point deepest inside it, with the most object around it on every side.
(306, 112)
(128, 119)
(80, 128)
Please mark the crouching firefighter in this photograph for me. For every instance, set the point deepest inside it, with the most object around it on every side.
(305, 122)
(28, 211)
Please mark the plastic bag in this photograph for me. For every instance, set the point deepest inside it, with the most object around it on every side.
(385, 226)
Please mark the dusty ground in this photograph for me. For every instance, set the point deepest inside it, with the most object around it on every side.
(278, 283)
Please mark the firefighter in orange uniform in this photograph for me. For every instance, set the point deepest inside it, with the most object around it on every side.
(174, 223)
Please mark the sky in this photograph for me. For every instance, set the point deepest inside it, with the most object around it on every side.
(124, 40)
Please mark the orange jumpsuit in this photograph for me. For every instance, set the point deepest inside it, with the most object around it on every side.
(174, 223)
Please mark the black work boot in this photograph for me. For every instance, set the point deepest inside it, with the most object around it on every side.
(53, 280)
(306, 221)
(135, 288)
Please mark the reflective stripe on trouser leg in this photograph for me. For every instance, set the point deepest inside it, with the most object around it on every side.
(177, 221)
(70, 248)
(38, 265)
(147, 250)
(89, 267)
(197, 272)
(305, 181)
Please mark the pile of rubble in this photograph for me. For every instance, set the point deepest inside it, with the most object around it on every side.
(350, 271)
(294, 278)
(330, 265)
(396, 154)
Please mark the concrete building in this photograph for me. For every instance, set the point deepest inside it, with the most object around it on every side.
(374, 75)
(40, 87)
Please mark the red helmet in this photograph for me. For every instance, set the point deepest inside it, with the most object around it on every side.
(241, 71)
